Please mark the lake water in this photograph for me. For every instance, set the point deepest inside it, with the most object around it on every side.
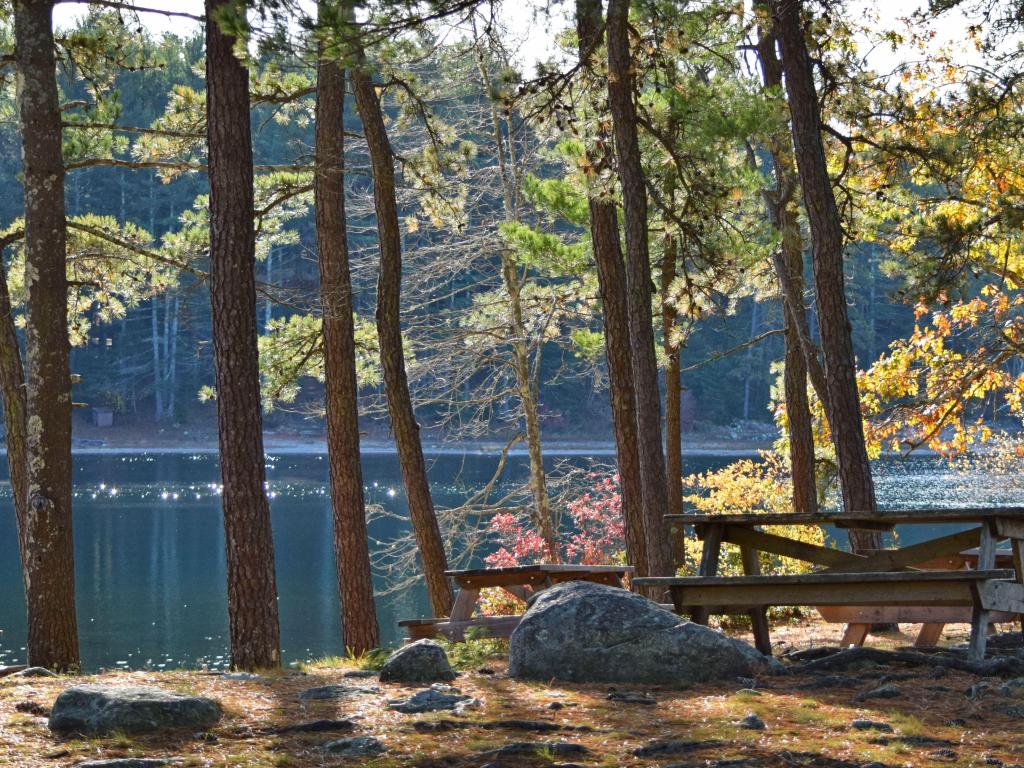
(149, 549)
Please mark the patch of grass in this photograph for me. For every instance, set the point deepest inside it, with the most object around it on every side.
(475, 651)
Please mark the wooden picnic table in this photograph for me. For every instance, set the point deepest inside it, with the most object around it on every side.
(521, 581)
(994, 597)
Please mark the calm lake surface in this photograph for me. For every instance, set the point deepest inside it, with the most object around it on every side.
(149, 547)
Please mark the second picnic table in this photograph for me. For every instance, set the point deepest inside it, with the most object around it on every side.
(522, 581)
(883, 580)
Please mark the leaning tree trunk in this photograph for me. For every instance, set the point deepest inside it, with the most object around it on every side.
(638, 286)
(542, 514)
(341, 393)
(252, 589)
(48, 564)
(843, 402)
(392, 357)
(788, 262)
(673, 386)
(12, 385)
(611, 281)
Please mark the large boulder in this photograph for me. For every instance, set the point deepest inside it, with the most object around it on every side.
(421, 662)
(97, 709)
(590, 633)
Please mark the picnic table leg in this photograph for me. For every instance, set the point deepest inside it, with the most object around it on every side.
(1018, 567)
(929, 635)
(980, 616)
(855, 634)
(462, 610)
(758, 615)
(708, 565)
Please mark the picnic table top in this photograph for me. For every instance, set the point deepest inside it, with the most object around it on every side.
(519, 570)
(849, 520)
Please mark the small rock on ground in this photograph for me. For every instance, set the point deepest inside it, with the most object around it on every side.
(421, 662)
(882, 692)
(324, 692)
(356, 746)
(753, 723)
(429, 700)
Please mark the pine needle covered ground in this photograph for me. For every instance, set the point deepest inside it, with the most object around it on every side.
(935, 718)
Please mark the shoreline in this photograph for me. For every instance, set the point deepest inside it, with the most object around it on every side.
(374, 448)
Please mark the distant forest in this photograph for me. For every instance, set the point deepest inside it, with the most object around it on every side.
(149, 362)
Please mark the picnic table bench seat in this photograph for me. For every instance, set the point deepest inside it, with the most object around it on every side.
(979, 591)
(521, 581)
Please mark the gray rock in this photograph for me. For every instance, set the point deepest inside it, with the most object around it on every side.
(881, 692)
(97, 709)
(34, 672)
(753, 723)
(324, 692)
(584, 632)
(421, 662)
(870, 725)
(429, 700)
(125, 762)
(355, 746)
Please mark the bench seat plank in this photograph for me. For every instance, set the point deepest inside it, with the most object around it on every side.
(883, 516)
(824, 578)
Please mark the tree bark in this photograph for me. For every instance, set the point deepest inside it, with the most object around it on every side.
(392, 357)
(48, 566)
(843, 401)
(788, 262)
(252, 589)
(673, 386)
(611, 280)
(341, 392)
(638, 287)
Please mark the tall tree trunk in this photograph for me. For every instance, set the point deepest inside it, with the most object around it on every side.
(611, 281)
(638, 286)
(341, 392)
(158, 369)
(171, 358)
(843, 402)
(392, 357)
(527, 391)
(673, 386)
(788, 262)
(252, 589)
(48, 566)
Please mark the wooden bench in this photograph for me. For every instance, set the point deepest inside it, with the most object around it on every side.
(521, 581)
(976, 543)
(933, 619)
(981, 591)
